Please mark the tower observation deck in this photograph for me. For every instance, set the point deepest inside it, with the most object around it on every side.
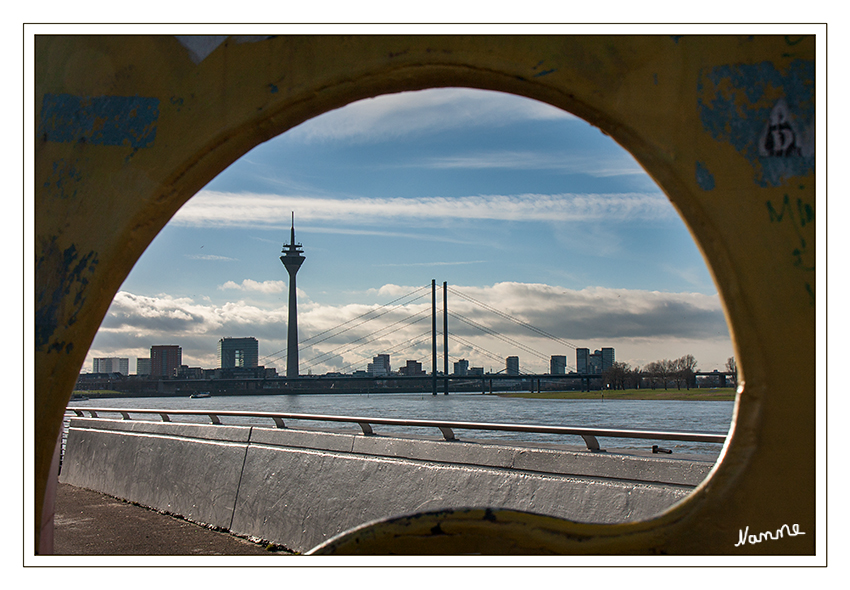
(292, 260)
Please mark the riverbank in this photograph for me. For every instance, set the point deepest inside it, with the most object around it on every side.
(719, 394)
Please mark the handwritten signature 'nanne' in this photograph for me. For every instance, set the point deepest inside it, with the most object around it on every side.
(745, 537)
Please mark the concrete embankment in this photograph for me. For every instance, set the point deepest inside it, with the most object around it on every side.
(299, 488)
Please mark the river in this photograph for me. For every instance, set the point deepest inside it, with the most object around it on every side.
(689, 416)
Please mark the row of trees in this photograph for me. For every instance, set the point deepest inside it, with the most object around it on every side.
(663, 373)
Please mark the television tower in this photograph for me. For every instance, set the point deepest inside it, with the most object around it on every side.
(292, 260)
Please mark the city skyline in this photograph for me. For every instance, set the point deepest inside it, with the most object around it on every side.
(516, 204)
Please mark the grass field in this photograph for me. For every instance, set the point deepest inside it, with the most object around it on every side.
(719, 394)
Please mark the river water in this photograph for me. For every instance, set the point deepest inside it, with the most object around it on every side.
(664, 415)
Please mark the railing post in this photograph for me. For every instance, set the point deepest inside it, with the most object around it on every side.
(446, 427)
(448, 434)
(591, 442)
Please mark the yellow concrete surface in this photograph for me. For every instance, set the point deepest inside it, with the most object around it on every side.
(128, 128)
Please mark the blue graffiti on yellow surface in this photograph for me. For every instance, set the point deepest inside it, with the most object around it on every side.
(99, 120)
(62, 277)
(545, 73)
(63, 181)
(767, 114)
(800, 214)
(542, 72)
(705, 179)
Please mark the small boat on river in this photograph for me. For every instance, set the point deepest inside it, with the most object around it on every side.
(199, 395)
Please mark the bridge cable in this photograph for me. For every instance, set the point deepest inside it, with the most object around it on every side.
(371, 337)
(275, 355)
(512, 319)
(501, 337)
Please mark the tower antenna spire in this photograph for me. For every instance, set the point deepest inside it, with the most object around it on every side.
(292, 259)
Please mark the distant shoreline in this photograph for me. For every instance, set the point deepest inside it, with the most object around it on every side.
(719, 394)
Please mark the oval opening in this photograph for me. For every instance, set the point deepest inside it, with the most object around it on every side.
(559, 253)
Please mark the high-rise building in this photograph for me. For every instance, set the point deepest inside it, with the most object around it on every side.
(412, 368)
(380, 366)
(165, 360)
(238, 352)
(292, 260)
(582, 355)
(461, 367)
(143, 366)
(596, 363)
(558, 364)
(607, 358)
(111, 365)
(512, 365)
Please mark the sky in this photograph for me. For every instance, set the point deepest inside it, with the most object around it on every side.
(520, 207)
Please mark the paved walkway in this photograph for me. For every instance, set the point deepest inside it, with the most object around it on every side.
(89, 523)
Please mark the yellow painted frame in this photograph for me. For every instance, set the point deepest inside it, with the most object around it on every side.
(128, 128)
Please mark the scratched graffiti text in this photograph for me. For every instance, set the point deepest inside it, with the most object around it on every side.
(800, 215)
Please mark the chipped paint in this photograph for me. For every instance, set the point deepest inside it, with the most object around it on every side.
(99, 120)
(62, 183)
(62, 278)
(705, 179)
(741, 104)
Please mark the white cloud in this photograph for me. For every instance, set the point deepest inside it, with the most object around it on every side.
(218, 209)
(396, 115)
(251, 285)
(209, 257)
(597, 165)
(641, 325)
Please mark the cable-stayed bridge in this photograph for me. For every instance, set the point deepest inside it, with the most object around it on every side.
(410, 313)
(412, 328)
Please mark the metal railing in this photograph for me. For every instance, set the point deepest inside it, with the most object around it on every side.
(446, 427)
